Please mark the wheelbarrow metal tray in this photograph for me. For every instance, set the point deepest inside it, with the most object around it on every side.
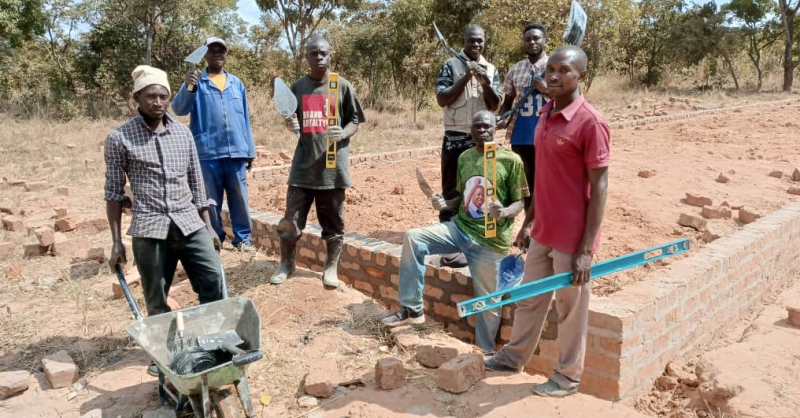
(157, 335)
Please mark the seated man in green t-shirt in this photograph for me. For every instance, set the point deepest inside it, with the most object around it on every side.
(466, 232)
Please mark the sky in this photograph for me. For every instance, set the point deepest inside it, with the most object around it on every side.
(248, 11)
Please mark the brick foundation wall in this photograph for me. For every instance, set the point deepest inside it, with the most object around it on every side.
(633, 334)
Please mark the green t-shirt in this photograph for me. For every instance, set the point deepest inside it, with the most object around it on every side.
(511, 187)
(308, 165)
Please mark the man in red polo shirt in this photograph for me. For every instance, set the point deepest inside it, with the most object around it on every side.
(572, 158)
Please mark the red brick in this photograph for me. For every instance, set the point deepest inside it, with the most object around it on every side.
(720, 213)
(692, 222)
(32, 186)
(380, 259)
(132, 278)
(6, 250)
(433, 292)
(84, 269)
(65, 191)
(395, 260)
(322, 379)
(92, 226)
(65, 224)
(446, 311)
(45, 236)
(68, 247)
(793, 316)
(388, 293)
(445, 275)
(306, 253)
(616, 346)
(748, 216)
(13, 223)
(604, 364)
(12, 383)
(377, 274)
(60, 370)
(34, 250)
(460, 373)
(366, 254)
(462, 279)
(96, 254)
(459, 298)
(698, 201)
(435, 353)
(407, 342)
(613, 323)
(389, 373)
(173, 304)
(9, 208)
(505, 333)
(394, 279)
(351, 249)
(363, 286)
(605, 388)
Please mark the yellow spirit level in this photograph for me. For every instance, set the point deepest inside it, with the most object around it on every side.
(490, 191)
(333, 118)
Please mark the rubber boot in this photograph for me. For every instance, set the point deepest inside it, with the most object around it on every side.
(329, 276)
(288, 252)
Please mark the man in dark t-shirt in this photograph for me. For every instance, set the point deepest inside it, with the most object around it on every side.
(310, 181)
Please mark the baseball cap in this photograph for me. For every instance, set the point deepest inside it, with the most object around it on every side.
(216, 40)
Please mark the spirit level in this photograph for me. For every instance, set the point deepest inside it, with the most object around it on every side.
(562, 280)
(489, 189)
(333, 118)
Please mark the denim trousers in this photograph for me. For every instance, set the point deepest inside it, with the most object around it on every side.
(229, 176)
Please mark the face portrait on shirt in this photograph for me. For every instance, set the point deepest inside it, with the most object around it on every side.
(153, 101)
(474, 197)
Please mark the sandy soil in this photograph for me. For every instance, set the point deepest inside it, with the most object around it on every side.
(686, 157)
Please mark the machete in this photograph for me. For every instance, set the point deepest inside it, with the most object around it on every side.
(423, 184)
(452, 51)
(573, 35)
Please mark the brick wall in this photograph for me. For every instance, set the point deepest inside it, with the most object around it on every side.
(633, 333)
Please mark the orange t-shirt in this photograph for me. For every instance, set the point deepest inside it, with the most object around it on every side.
(219, 80)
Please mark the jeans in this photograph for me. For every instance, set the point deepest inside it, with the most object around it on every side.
(228, 175)
(157, 259)
(445, 238)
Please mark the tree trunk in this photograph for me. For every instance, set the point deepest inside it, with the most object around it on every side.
(728, 62)
(787, 16)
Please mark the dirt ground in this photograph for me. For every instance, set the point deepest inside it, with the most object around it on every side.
(686, 156)
(44, 310)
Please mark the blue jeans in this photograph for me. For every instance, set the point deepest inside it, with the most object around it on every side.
(229, 175)
(446, 238)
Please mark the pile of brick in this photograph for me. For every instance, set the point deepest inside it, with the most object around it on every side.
(708, 212)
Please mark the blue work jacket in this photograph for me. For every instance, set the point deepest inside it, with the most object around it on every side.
(220, 120)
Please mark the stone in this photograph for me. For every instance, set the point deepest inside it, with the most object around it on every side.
(777, 174)
(433, 354)
(794, 191)
(84, 269)
(793, 317)
(698, 201)
(719, 390)
(6, 250)
(60, 212)
(747, 217)
(692, 222)
(719, 213)
(32, 186)
(60, 370)
(646, 174)
(48, 281)
(321, 381)
(12, 383)
(407, 342)
(390, 373)
(94, 413)
(723, 178)
(667, 382)
(796, 174)
(163, 412)
(45, 236)
(65, 224)
(306, 401)
(460, 373)
(13, 223)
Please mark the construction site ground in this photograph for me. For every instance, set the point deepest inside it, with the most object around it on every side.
(44, 308)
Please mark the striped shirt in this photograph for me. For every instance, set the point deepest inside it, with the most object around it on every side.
(165, 176)
(517, 79)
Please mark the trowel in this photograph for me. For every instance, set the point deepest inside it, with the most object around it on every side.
(285, 101)
(195, 58)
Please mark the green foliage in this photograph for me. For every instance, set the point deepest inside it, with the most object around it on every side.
(20, 21)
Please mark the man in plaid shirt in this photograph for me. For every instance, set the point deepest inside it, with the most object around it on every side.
(523, 76)
(170, 209)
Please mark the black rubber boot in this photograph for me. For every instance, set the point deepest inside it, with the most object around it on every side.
(288, 252)
(329, 276)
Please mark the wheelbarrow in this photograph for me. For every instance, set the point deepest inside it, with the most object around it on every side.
(158, 337)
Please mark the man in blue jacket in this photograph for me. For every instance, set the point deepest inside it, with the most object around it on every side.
(220, 123)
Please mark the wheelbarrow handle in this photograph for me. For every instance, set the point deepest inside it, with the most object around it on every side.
(123, 284)
(241, 357)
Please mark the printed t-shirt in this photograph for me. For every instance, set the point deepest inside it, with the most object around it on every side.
(308, 165)
(511, 187)
(568, 144)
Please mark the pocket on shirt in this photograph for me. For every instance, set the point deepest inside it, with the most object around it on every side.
(238, 103)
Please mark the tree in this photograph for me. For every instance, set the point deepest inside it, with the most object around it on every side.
(648, 45)
(757, 18)
(788, 10)
(301, 18)
(20, 21)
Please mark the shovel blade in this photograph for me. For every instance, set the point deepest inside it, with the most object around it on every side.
(197, 55)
